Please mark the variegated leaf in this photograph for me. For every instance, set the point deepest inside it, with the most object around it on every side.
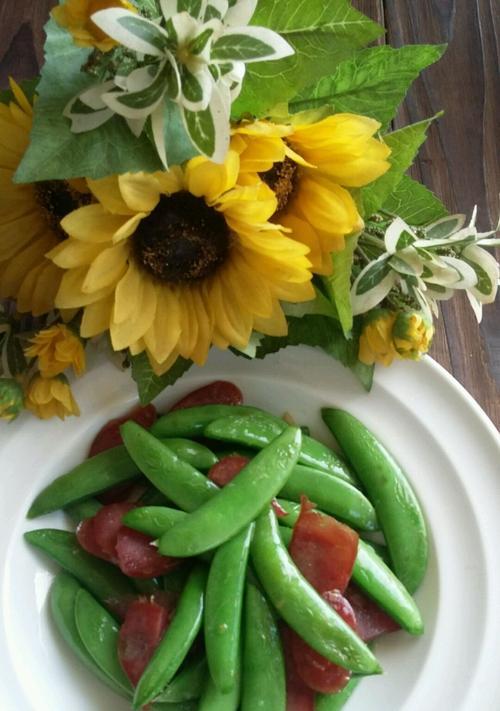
(398, 236)
(250, 44)
(445, 227)
(215, 9)
(240, 13)
(158, 130)
(196, 89)
(132, 31)
(487, 272)
(372, 285)
(209, 129)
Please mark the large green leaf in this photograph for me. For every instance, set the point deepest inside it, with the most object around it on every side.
(56, 152)
(373, 83)
(338, 284)
(414, 203)
(404, 145)
(322, 34)
(150, 385)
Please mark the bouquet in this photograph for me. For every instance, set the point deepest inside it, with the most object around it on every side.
(195, 174)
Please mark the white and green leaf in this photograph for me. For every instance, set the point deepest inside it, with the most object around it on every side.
(398, 236)
(240, 13)
(209, 129)
(372, 285)
(250, 44)
(133, 31)
(445, 227)
(196, 89)
(487, 272)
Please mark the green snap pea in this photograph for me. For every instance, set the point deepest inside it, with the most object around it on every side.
(102, 579)
(263, 682)
(92, 476)
(285, 535)
(224, 601)
(332, 495)
(153, 497)
(193, 453)
(336, 702)
(397, 508)
(213, 700)
(83, 509)
(238, 503)
(191, 421)
(301, 607)
(176, 642)
(379, 582)
(258, 430)
(99, 633)
(153, 520)
(62, 605)
(179, 481)
(187, 684)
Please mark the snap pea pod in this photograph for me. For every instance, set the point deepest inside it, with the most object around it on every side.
(213, 700)
(397, 507)
(191, 421)
(238, 503)
(99, 633)
(299, 604)
(187, 684)
(62, 605)
(92, 476)
(263, 682)
(224, 602)
(332, 495)
(179, 481)
(379, 582)
(102, 579)
(193, 453)
(153, 520)
(258, 430)
(153, 497)
(285, 535)
(176, 642)
(336, 702)
(83, 509)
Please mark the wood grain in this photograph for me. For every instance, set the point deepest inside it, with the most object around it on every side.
(459, 161)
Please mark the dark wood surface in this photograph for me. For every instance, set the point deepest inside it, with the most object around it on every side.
(459, 161)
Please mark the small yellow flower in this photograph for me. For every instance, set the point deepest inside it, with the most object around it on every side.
(11, 399)
(57, 348)
(74, 15)
(376, 343)
(412, 335)
(51, 397)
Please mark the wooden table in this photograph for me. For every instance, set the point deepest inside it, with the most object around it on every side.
(459, 161)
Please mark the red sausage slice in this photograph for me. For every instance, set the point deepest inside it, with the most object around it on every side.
(299, 697)
(315, 671)
(144, 626)
(107, 524)
(220, 392)
(227, 468)
(137, 558)
(85, 535)
(323, 549)
(371, 620)
(109, 436)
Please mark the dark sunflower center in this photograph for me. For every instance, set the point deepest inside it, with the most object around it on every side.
(182, 239)
(58, 199)
(282, 179)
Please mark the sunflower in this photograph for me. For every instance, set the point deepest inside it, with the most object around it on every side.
(172, 263)
(310, 167)
(29, 216)
(74, 16)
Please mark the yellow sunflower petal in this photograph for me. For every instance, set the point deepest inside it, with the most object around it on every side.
(210, 180)
(140, 191)
(171, 181)
(107, 192)
(14, 235)
(107, 268)
(93, 223)
(201, 348)
(127, 294)
(97, 317)
(74, 253)
(128, 228)
(139, 322)
(20, 97)
(328, 206)
(46, 287)
(252, 204)
(71, 294)
(163, 334)
(26, 290)
(19, 266)
(275, 325)
(189, 325)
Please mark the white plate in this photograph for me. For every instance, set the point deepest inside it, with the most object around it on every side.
(448, 447)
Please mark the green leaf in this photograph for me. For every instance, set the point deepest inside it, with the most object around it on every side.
(414, 203)
(150, 385)
(322, 34)
(16, 359)
(373, 83)
(319, 306)
(404, 145)
(56, 153)
(364, 374)
(338, 284)
(316, 331)
(201, 128)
